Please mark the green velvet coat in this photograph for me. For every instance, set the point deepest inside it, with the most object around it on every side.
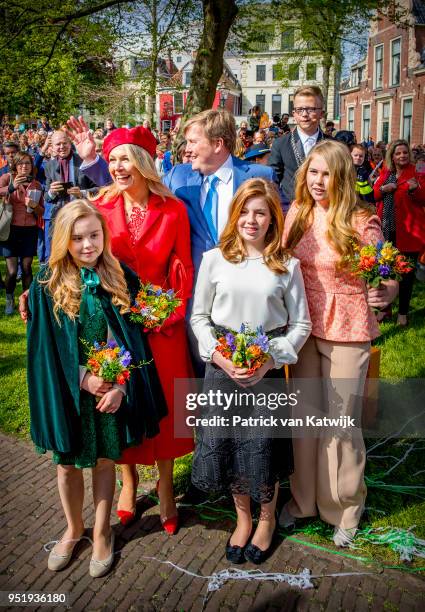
(53, 373)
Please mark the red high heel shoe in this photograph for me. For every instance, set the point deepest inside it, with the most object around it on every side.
(170, 525)
(126, 516)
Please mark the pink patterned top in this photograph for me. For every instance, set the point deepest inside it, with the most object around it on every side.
(135, 223)
(337, 300)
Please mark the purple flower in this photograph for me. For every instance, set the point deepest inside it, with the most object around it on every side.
(384, 271)
(170, 292)
(230, 339)
(242, 329)
(112, 344)
(125, 359)
(96, 346)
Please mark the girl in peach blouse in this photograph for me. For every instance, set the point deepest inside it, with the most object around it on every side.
(321, 227)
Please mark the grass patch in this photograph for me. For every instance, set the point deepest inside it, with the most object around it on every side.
(402, 356)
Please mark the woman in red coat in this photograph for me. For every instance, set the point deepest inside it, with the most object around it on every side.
(150, 233)
(400, 199)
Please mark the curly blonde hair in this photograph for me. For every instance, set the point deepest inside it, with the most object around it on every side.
(64, 281)
(344, 203)
(231, 243)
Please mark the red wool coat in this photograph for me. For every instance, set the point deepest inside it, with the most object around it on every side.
(409, 210)
(161, 256)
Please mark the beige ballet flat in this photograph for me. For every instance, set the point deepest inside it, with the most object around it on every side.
(57, 562)
(100, 568)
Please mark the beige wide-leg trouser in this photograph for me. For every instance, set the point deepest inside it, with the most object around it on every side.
(329, 470)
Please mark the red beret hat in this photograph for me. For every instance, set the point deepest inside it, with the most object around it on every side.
(139, 136)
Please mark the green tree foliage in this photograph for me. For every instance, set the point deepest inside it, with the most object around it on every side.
(49, 49)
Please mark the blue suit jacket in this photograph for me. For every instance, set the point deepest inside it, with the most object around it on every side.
(186, 185)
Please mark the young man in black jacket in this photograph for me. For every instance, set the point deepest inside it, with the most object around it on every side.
(290, 150)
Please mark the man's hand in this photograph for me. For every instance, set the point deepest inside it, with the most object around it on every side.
(383, 295)
(75, 191)
(23, 306)
(80, 134)
(95, 385)
(56, 187)
(110, 402)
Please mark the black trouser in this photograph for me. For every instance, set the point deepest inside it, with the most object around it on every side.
(406, 286)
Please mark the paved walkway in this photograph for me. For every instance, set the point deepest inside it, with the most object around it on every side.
(31, 515)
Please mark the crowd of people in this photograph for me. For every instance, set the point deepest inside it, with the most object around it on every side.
(249, 226)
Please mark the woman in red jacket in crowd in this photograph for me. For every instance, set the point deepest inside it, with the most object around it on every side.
(150, 233)
(400, 200)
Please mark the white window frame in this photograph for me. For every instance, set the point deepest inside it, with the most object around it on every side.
(405, 99)
(363, 137)
(380, 119)
(375, 85)
(351, 108)
(391, 62)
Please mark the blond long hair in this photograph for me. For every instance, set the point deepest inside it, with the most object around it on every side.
(232, 245)
(344, 204)
(64, 281)
(145, 165)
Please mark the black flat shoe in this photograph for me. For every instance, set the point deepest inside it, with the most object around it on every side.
(235, 554)
(256, 555)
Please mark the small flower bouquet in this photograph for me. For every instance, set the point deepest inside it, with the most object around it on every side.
(153, 305)
(375, 263)
(108, 361)
(246, 348)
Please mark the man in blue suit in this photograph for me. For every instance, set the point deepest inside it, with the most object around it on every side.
(213, 174)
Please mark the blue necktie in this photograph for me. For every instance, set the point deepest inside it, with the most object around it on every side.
(211, 207)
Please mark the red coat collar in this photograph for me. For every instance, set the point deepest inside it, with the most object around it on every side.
(114, 211)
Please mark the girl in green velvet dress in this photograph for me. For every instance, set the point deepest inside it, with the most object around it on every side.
(84, 295)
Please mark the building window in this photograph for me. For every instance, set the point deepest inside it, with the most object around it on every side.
(366, 122)
(406, 128)
(293, 72)
(277, 72)
(92, 111)
(395, 62)
(350, 118)
(261, 72)
(379, 63)
(260, 100)
(178, 59)
(354, 77)
(290, 104)
(311, 72)
(178, 102)
(287, 39)
(276, 104)
(385, 122)
(187, 78)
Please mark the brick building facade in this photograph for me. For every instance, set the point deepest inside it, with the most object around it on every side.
(385, 96)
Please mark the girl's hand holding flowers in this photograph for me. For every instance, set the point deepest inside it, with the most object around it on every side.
(244, 355)
(95, 384)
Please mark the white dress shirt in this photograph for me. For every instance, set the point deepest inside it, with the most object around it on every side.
(308, 141)
(224, 190)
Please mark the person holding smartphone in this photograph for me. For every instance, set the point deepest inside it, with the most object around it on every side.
(26, 196)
